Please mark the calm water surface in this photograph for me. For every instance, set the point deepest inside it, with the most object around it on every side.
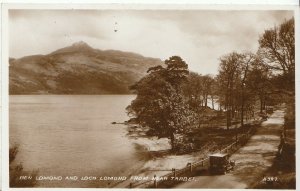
(72, 135)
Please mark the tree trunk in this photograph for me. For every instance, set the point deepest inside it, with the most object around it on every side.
(231, 113)
(261, 104)
(228, 112)
(199, 121)
(228, 104)
(172, 138)
(242, 109)
(212, 102)
(228, 119)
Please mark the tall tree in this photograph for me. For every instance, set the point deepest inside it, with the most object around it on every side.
(192, 90)
(229, 71)
(160, 104)
(207, 82)
(277, 49)
(213, 92)
(246, 61)
(259, 82)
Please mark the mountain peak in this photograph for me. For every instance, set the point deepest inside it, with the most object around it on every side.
(80, 44)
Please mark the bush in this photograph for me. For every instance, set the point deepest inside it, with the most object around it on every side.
(16, 170)
(183, 145)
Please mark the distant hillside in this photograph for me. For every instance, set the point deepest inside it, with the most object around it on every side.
(78, 69)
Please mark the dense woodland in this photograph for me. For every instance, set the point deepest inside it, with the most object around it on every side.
(172, 101)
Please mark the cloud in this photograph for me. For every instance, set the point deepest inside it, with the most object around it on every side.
(200, 37)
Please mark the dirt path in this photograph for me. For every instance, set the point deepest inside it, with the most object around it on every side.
(252, 160)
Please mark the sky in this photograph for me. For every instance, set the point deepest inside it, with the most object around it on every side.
(200, 37)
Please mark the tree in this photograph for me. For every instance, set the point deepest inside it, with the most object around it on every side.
(192, 90)
(234, 91)
(160, 104)
(213, 92)
(277, 50)
(259, 82)
(176, 71)
(198, 88)
(207, 82)
(229, 71)
(246, 61)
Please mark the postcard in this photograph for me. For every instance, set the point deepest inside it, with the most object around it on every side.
(116, 96)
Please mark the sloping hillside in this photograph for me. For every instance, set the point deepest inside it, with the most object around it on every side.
(78, 69)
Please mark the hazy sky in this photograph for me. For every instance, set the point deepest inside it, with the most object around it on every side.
(199, 37)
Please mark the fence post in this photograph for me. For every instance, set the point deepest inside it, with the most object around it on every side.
(174, 172)
(155, 181)
(202, 162)
(190, 165)
(130, 185)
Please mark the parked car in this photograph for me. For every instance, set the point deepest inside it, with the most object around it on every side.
(263, 116)
(220, 163)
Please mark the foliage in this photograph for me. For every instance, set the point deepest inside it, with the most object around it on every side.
(228, 77)
(259, 82)
(277, 49)
(197, 90)
(160, 104)
(13, 151)
(16, 170)
(234, 80)
(183, 145)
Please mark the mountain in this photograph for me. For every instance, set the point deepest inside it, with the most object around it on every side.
(78, 69)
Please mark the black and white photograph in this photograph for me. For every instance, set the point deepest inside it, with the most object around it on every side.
(152, 98)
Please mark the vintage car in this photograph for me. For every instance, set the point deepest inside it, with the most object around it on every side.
(220, 163)
(263, 116)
